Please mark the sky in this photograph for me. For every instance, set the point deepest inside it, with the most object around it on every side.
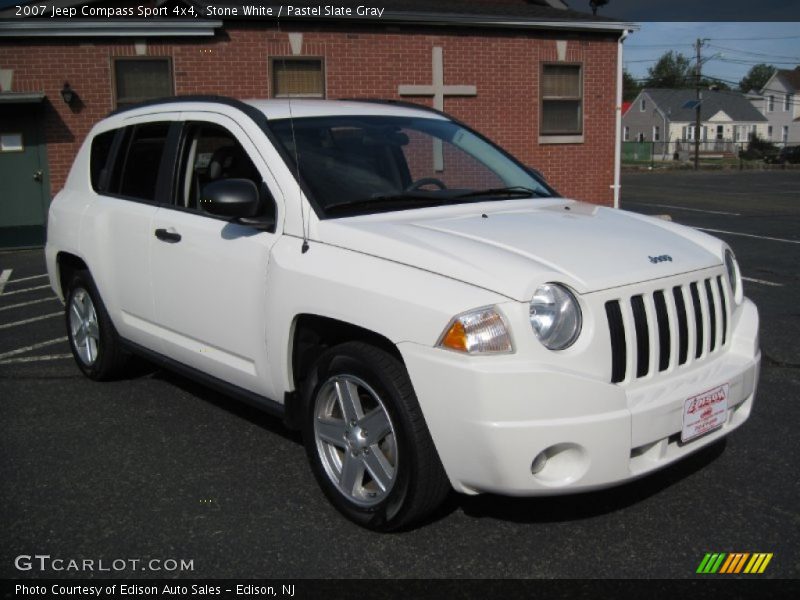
(731, 48)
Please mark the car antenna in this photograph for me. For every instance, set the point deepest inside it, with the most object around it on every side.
(304, 246)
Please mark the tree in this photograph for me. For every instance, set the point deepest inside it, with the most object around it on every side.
(630, 87)
(756, 78)
(673, 70)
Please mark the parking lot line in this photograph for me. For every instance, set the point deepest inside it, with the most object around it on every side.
(700, 210)
(27, 359)
(4, 277)
(763, 282)
(760, 237)
(30, 289)
(29, 278)
(21, 304)
(31, 320)
(10, 353)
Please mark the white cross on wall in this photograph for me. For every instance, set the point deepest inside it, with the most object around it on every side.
(438, 90)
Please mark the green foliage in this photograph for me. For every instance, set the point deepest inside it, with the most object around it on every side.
(759, 149)
(673, 70)
(756, 78)
(630, 87)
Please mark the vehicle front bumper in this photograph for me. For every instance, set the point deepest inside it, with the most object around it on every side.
(491, 416)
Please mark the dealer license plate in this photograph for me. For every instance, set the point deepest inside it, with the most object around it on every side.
(704, 412)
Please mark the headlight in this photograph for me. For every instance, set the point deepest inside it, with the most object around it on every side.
(479, 331)
(555, 316)
(734, 276)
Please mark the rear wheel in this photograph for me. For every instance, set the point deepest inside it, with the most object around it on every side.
(367, 441)
(92, 337)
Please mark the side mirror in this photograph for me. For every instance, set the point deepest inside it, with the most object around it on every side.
(237, 198)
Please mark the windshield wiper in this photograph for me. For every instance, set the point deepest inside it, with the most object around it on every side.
(383, 199)
(517, 190)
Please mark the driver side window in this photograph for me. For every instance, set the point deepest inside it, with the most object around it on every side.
(211, 153)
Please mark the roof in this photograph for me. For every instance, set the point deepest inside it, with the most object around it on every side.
(274, 109)
(498, 14)
(299, 108)
(734, 104)
(790, 76)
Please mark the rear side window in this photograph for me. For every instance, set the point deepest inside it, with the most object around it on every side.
(138, 161)
(101, 148)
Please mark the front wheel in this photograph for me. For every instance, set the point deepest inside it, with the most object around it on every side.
(367, 440)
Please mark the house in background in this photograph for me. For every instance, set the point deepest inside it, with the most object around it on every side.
(779, 102)
(540, 79)
(667, 117)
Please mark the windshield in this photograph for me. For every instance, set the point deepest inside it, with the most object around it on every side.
(366, 164)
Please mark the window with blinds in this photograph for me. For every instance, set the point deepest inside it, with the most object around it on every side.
(298, 78)
(140, 79)
(562, 100)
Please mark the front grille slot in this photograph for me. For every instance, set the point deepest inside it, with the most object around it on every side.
(698, 320)
(666, 329)
(642, 336)
(616, 328)
(724, 307)
(663, 330)
(712, 317)
(683, 325)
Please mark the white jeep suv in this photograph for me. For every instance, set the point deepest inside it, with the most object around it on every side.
(424, 307)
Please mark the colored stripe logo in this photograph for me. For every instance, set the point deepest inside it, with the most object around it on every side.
(734, 563)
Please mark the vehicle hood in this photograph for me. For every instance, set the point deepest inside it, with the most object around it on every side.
(512, 247)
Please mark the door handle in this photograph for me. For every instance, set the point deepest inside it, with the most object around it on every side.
(168, 236)
(38, 175)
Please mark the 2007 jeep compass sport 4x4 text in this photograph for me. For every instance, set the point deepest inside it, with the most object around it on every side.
(425, 308)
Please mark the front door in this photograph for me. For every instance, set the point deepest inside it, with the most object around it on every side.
(210, 274)
(24, 193)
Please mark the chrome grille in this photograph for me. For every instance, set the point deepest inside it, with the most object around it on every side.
(667, 328)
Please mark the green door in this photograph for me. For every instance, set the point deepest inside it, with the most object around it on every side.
(24, 189)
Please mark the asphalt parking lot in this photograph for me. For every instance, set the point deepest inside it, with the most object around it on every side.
(155, 466)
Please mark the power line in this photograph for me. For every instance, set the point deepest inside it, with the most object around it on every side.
(794, 58)
(755, 39)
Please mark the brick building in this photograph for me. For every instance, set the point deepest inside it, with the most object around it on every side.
(538, 78)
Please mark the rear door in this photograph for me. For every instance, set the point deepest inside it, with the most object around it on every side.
(130, 186)
(210, 273)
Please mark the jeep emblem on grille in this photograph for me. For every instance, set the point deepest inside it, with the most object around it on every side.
(657, 259)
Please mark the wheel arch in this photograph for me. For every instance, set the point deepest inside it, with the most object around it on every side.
(68, 264)
(310, 335)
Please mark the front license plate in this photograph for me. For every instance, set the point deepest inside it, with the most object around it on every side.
(704, 412)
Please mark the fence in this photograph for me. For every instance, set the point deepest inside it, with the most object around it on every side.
(710, 150)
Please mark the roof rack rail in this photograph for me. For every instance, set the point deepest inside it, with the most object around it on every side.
(403, 103)
(249, 110)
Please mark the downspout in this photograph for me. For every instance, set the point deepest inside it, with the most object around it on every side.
(618, 137)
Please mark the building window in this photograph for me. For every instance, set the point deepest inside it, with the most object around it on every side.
(640, 137)
(140, 79)
(298, 78)
(770, 103)
(787, 102)
(562, 100)
(626, 134)
(785, 134)
(656, 133)
(769, 132)
(642, 105)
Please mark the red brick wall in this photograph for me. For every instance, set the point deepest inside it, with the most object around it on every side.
(505, 67)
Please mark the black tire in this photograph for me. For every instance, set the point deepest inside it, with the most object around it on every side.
(108, 360)
(419, 484)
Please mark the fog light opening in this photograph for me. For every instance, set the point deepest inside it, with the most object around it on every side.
(539, 463)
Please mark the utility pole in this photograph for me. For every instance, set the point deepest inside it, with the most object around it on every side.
(698, 45)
